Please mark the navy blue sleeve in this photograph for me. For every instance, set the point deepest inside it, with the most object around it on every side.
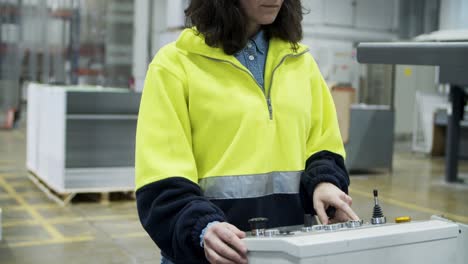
(174, 212)
(324, 166)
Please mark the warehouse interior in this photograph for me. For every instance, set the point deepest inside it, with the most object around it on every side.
(71, 77)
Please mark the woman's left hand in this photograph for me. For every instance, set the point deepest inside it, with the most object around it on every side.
(326, 195)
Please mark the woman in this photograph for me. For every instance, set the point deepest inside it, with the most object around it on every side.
(235, 122)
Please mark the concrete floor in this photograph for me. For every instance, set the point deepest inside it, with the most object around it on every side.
(36, 230)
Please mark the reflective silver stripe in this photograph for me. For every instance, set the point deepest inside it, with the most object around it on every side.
(249, 186)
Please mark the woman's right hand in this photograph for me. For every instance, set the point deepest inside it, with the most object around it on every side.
(223, 244)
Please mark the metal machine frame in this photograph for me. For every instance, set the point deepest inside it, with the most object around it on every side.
(452, 59)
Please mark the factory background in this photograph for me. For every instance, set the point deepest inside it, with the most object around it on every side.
(71, 76)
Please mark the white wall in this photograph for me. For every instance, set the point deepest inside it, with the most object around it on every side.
(374, 15)
(454, 14)
(335, 59)
(332, 27)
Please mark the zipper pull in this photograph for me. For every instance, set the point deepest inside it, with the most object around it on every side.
(270, 108)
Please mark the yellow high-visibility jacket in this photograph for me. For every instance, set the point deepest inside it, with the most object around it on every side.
(212, 145)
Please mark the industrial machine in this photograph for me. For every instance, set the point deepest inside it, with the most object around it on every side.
(437, 240)
(453, 66)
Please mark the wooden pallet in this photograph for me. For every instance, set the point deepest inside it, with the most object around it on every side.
(92, 195)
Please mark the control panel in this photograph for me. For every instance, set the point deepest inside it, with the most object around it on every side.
(259, 225)
(298, 230)
(437, 240)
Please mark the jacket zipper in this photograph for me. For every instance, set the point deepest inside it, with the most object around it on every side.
(267, 96)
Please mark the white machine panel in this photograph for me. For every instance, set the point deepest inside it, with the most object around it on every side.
(434, 241)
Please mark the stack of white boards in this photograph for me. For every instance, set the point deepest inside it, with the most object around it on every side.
(82, 139)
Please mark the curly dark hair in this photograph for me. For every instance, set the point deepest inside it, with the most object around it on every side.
(224, 24)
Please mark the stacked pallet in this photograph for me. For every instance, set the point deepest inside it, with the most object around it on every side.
(81, 139)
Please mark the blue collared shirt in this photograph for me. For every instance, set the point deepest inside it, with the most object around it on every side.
(253, 56)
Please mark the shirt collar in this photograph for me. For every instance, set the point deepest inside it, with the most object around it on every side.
(260, 42)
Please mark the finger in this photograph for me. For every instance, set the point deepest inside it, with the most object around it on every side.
(348, 200)
(320, 210)
(223, 250)
(341, 205)
(214, 257)
(236, 231)
(340, 216)
(238, 245)
(231, 239)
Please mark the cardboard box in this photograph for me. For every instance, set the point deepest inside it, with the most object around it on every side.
(344, 96)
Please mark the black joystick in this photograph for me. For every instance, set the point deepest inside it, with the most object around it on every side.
(377, 209)
(377, 214)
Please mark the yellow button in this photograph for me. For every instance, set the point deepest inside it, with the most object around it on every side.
(403, 219)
